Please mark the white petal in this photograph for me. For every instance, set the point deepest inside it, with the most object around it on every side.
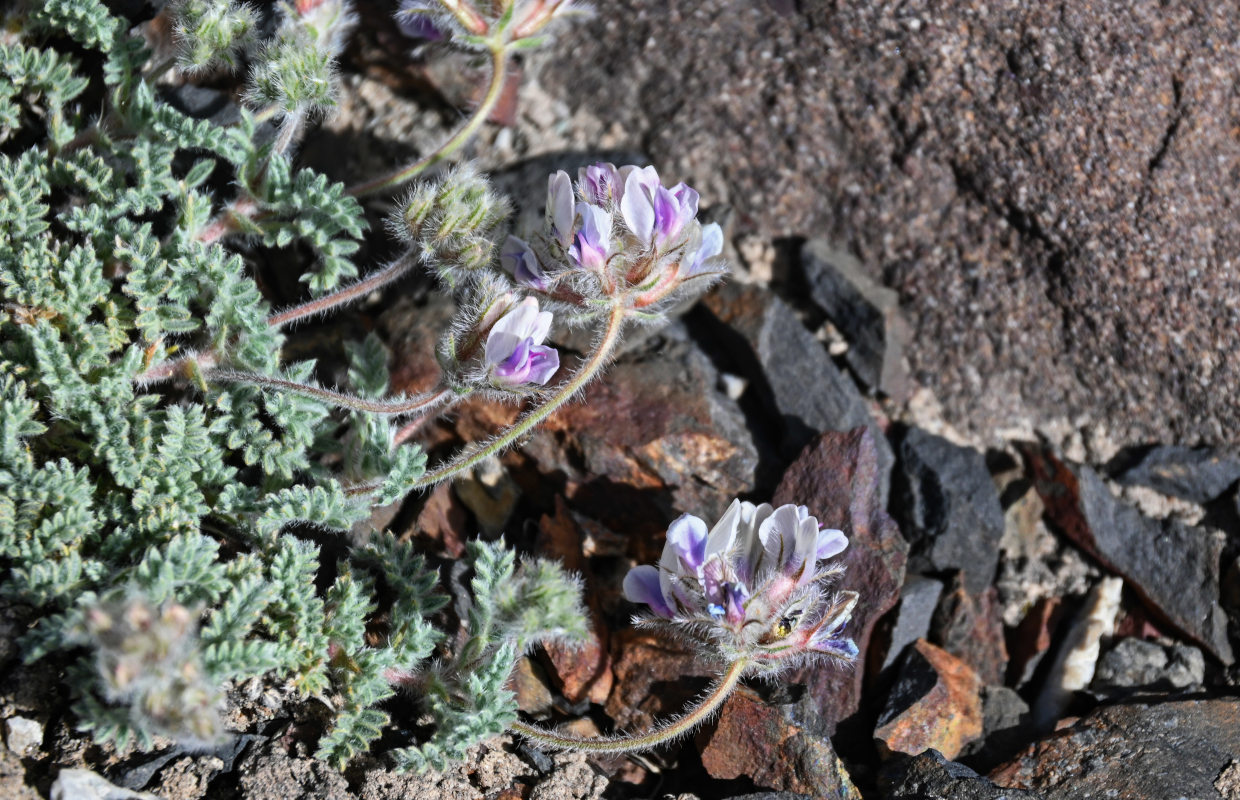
(637, 208)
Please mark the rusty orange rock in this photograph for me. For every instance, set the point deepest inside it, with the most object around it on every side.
(935, 703)
(757, 740)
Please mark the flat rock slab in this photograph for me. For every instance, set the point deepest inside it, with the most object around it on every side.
(1196, 474)
(865, 312)
(1173, 567)
(1161, 751)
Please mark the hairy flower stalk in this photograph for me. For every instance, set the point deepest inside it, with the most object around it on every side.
(752, 592)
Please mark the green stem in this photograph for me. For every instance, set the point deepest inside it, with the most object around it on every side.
(631, 744)
(565, 392)
(348, 294)
(499, 64)
(419, 403)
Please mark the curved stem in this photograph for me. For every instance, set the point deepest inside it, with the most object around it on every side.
(631, 744)
(499, 64)
(420, 403)
(348, 294)
(472, 456)
(406, 431)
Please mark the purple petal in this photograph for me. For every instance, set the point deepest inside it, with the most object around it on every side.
(592, 245)
(711, 246)
(416, 23)
(518, 258)
(544, 361)
(641, 585)
(686, 537)
(599, 183)
(516, 368)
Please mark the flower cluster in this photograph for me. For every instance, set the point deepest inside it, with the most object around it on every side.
(755, 587)
(470, 24)
(619, 234)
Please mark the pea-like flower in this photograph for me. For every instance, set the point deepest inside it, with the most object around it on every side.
(520, 261)
(755, 587)
(515, 353)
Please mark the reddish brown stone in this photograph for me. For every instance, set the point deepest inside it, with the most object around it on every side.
(756, 740)
(837, 477)
(1032, 638)
(580, 672)
(935, 703)
(970, 627)
(441, 523)
(653, 679)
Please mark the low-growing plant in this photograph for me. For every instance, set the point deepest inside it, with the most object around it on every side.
(165, 472)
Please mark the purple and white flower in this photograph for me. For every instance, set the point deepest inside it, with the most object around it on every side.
(515, 353)
(756, 583)
(655, 214)
(520, 261)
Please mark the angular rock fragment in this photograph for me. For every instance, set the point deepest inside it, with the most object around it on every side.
(1134, 664)
(1196, 474)
(838, 479)
(948, 508)
(1077, 654)
(1159, 751)
(1172, 566)
(935, 703)
(866, 312)
(918, 599)
(970, 627)
(804, 390)
(757, 740)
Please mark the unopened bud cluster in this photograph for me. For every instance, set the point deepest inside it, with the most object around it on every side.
(296, 72)
(452, 222)
(148, 659)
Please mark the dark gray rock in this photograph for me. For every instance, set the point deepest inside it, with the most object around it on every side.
(1048, 186)
(1173, 567)
(948, 508)
(918, 599)
(930, 776)
(1137, 664)
(1198, 474)
(1006, 728)
(1159, 751)
(865, 312)
(802, 387)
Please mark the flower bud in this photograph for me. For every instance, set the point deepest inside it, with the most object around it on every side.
(452, 220)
